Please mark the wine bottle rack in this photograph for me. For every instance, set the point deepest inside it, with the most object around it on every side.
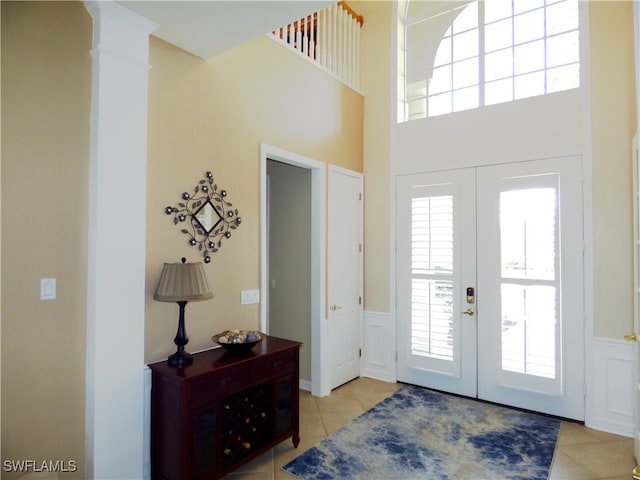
(247, 423)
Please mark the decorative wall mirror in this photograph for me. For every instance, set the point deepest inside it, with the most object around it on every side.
(208, 215)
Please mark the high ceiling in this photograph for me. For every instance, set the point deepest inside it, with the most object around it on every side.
(208, 27)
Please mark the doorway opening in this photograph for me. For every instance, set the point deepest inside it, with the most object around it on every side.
(302, 318)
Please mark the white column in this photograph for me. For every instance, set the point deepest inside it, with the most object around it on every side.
(116, 243)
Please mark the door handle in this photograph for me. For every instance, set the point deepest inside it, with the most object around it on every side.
(334, 307)
(631, 337)
(469, 311)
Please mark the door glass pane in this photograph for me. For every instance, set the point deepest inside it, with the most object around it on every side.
(432, 318)
(527, 233)
(432, 283)
(529, 310)
(529, 329)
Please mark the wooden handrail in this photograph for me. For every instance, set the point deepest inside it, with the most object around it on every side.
(351, 11)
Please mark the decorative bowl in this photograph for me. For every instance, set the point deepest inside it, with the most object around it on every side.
(238, 341)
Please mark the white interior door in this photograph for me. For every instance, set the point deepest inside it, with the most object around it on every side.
(513, 335)
(344, 274)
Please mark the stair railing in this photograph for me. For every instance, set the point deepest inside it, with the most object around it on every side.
(330, 38)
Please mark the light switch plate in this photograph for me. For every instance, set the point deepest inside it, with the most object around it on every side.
(47, 289)
(248, 297)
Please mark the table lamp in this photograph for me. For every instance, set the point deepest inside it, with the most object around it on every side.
(182, 282)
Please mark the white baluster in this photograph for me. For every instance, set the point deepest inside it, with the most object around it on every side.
(312, 38)
(322, 39)
(354, 52)
(303, 37)
(357, 48)
(350, 56)
(296, 45)
(307, 37)
(339, 53)
(334, 38)
(345, 43)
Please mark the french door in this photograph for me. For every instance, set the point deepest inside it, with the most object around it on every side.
(490, 281)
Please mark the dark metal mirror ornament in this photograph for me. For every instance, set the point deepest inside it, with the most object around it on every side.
(208, 214)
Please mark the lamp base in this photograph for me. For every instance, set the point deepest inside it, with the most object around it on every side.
(180, 359)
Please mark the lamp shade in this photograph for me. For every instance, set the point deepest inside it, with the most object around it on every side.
(183, 282)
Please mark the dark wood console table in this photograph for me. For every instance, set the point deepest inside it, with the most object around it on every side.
(223, 410)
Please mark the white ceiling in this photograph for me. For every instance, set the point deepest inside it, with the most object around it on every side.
(208, 27)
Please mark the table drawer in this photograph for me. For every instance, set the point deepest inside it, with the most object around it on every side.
(273, 365)
(219, 383)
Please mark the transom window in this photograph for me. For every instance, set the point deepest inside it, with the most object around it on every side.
(460, 55)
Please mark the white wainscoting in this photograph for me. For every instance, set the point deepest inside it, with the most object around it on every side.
(609, 398)
(378, 347)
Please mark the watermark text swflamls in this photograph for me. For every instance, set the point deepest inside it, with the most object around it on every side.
(54, 466)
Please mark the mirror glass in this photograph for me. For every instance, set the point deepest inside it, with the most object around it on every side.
(208, 217)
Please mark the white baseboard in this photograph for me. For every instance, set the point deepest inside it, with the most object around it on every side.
(609, 399)
(378, 347)
(305, 385)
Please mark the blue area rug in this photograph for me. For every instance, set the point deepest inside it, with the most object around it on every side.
(417, 434)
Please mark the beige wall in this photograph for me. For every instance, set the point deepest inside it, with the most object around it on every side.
(376, 75)
(213, 116)
(613, 126)
(46, 78)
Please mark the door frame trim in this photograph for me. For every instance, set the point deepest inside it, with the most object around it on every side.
(319, 338)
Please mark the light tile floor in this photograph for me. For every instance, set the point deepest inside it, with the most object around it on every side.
(582, 453)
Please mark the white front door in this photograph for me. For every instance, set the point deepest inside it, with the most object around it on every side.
(436, 264)
(344, 274)
(489, 284)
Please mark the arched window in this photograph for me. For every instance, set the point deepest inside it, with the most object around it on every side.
(459, 55)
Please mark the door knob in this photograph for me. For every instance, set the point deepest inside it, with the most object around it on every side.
(334, 307)
(469, 311)
(631, 337)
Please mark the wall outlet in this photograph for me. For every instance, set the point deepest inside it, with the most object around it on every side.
(248, 297)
